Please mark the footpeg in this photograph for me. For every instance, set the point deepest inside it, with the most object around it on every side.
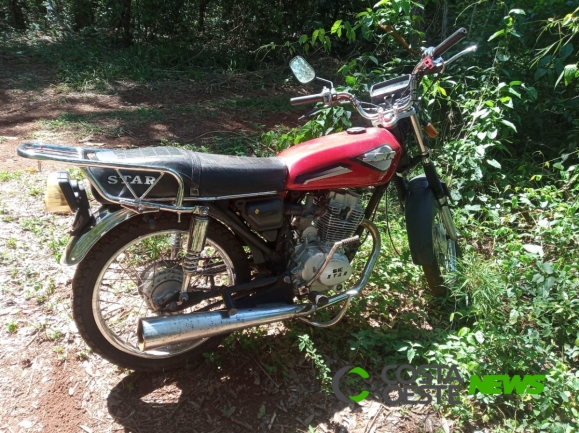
(318, 298)
(229, 304)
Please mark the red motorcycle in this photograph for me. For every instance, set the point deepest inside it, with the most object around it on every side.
(188, 247)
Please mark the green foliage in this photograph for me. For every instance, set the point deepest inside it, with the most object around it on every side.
(329, 120)
(508, 150)
(561, 50)
(509, 130)
(322, 370)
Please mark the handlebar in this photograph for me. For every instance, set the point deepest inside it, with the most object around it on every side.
(388, 117)
(456, 37)
(308, 99)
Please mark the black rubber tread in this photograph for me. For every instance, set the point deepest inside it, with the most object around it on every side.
(421, 208)
(434, 279)
(87, 272)
(432, 273)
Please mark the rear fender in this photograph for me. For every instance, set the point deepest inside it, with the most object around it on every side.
(80, 245)
(420, 205)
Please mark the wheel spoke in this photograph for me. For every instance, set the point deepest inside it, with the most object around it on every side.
(149, 267)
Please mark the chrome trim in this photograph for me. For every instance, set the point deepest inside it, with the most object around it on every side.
(449, 223)
(231, 197)
(160, 331)
(80, 157)
(79, 246)
(155, 332)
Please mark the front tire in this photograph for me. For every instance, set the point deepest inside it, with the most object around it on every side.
(445, 254)
(430, 244)
(115, 282)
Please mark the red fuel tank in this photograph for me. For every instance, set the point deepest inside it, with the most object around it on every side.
(358, 157)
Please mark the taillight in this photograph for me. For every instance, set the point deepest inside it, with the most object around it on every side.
(68, 195)
(55, 198)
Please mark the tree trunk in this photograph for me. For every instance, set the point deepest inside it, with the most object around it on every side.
(16, 15)
(444, 20)
(202, 9)
(82, 13)
(126, 22)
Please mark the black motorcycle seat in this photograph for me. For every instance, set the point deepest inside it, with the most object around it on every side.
(204, 175)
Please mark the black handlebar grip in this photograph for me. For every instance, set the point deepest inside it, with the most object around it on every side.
(457, 36)
(308, 99)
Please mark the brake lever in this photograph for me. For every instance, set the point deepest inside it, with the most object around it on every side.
(468, 50)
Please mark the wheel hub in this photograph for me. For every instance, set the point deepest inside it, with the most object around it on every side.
(161, 283)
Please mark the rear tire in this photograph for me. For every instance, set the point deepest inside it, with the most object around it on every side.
(109, 286)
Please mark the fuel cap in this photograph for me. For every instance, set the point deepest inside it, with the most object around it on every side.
(356, 130)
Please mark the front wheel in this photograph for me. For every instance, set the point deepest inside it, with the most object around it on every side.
(136, 264)
(430, 244)
(444, 257)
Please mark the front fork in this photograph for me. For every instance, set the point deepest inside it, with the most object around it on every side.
(434, 180)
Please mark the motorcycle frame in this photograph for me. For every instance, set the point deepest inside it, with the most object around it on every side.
(107, 220)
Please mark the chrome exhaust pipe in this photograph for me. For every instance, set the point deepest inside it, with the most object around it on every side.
(155, 332)
(160, 331)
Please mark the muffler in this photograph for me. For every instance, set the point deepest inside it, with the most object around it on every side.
(155, 332)
(160, 331)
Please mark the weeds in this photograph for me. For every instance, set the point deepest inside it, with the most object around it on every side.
(110, 123)
(12, 327)
(322, 370)
(5, 176)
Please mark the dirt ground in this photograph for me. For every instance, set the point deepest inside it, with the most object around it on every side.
(49, 380)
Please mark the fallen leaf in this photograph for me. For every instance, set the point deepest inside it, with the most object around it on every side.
(261, 412)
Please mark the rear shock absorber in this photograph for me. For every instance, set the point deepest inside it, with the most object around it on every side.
(195, 244)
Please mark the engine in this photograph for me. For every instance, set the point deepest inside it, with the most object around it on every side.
(327, 219)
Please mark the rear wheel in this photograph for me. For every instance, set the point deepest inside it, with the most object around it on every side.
(445, 254)
(136, 265)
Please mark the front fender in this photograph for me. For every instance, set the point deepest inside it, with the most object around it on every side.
(80, 245)
(420, 206)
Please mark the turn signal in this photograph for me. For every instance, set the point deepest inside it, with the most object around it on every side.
(54, 198)
(430, 130)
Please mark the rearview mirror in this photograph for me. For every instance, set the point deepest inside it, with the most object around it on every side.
(302, 70)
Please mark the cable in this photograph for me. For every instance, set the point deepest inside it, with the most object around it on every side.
(387, 223)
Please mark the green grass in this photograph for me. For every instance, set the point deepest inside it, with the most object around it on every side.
(255, 106)
(12, 327)
(6, 176)
(90, 64)
(110, 123)
(262, 105)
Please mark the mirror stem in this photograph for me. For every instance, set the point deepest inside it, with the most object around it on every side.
(325, 82)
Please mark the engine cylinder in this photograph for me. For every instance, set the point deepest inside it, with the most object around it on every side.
(342, 217)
